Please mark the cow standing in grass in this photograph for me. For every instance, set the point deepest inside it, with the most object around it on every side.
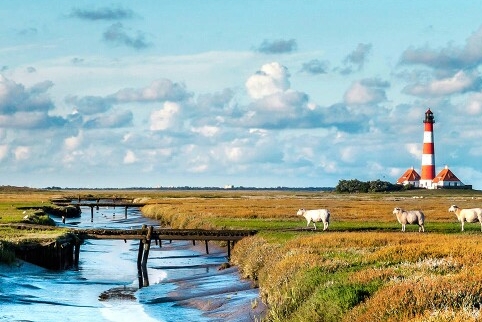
(315, 215)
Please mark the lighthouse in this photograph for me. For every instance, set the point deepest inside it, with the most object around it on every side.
(428, 154)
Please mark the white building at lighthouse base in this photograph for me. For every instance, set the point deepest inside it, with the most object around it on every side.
(445, 179)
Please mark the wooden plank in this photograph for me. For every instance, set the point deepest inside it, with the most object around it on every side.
(166, 234)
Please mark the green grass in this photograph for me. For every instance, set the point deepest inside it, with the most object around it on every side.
(280, 225)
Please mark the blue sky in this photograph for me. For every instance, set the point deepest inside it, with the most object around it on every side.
(244, 93)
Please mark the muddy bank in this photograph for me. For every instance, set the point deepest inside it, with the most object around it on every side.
(220, 293)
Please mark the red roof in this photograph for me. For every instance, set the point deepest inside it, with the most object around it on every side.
(409, 175)
(445, 175)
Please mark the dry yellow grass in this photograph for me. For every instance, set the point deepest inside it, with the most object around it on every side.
(371, 275)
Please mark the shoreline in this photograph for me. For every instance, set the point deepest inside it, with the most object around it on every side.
(221, 295)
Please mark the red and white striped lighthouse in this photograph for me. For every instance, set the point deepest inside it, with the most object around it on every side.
(428, 154)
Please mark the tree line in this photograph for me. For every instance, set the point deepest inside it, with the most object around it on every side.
(357, 186)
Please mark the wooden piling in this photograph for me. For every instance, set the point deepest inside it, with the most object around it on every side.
(76, 254)
(140, 251)
(147, 246)
(229, 249)
(207, 247)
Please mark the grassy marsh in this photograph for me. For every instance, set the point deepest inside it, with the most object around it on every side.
(362, 269)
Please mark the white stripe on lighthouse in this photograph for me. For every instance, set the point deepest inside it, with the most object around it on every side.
(427, 137)
(428, 159)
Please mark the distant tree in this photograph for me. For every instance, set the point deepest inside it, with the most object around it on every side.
(357, 186)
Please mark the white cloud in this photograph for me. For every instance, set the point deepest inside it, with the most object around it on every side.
(414, 149)
(159, 90)
(73, 142)
(207, 131)
(474, 104)
(458, 83)
(3, 151)
(166, 117)
(349, 154)
(22, 153)
(130, 157)
(361, 93)
(272, 78)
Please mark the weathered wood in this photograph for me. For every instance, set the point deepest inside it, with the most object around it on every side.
(147, 246)
(207, 247)
(166, 234)
(76, 254)
(140, 251)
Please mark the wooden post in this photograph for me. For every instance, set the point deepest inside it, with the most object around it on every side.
(147, 246)
(193, 242)
(207, 248)
(139, 252)
(229, 249)
(76, 254)
(126, 212)
(145, 277)
(91, 213)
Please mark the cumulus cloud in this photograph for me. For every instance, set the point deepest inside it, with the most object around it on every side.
(165, 118)
(367, 91)
(450, 57)
(218, 100)
(116, 119)
(21, 152)
(106, 13)
(207, 131)
(355, 61)
(157, 91)
(73, 142)
(117, 35)
(15, 97)
(315, 67)
(279, 46)
(130, 157)
(271, 78)
(31, 120)
(3, 151)
(460, 82)
(97, 106)
(474, 104)
(89, 105)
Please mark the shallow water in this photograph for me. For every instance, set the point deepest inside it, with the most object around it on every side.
(31, 293)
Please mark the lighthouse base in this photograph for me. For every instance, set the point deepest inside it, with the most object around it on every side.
(427, 184)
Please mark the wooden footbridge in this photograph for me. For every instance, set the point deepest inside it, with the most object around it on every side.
(65, 251)
(147, 235)
(98, 203)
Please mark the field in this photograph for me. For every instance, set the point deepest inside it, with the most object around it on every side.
(362, 269)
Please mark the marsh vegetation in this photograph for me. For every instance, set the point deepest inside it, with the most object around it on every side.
(362, 269)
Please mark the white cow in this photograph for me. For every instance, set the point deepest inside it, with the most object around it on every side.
(467, 215)
(315, 215)
(405, 217)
